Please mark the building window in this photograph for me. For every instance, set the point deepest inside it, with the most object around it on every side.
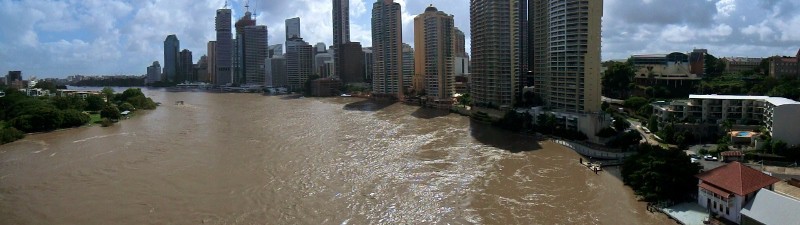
(715, 205)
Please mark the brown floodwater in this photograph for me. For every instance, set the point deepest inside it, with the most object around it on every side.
(225, 158)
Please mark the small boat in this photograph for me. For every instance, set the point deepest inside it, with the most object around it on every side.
(2, 94)
(346, 95)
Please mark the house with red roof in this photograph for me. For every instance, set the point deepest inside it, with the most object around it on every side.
(727, 189)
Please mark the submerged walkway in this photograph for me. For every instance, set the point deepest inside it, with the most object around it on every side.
(586, 151)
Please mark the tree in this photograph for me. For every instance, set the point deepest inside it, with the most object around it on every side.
(635, 102)
(763, 67)
(46, 85)
(617, 79)
(111, 112)
(659, 174)
(532, 99)
(38, 119)
(620, 123)
(69, 102)
(652, 124)
(127, 107)
(10, 134)
(94, 103)
(75, 118)
(711, 64)
(108, 93)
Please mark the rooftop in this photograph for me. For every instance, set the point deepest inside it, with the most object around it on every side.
(736, 178)
(773, 100)
(772, 208)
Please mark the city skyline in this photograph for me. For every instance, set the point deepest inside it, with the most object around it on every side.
(129, 33)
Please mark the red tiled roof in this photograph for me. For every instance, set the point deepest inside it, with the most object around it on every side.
(716, 190)
(737, 178)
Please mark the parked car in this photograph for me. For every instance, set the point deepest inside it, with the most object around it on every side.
(710, 158)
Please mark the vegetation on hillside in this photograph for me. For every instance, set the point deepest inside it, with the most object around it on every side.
(659, 175)
(41, 114)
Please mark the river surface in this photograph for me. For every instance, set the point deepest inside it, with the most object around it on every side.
(227, 158)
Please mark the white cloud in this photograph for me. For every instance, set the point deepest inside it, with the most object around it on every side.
(725, 8)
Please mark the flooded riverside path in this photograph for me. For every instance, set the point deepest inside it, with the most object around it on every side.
(225, 158)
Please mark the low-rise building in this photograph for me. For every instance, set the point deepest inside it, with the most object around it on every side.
(726, 190)
(777, 115)
(741, 64)
(325, 87)
(768, 207)
(780, 67)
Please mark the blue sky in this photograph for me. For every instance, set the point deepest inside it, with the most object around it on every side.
(58, 38)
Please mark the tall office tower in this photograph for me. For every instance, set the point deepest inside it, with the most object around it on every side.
(341, 32)
(14, 79)
(494, 29)
(352, 68)
(239, 56)
(387, 41)
(697, 62)
(172, 48)
(212, 63)
(298, 62)
(276, 71)
(275, 50)
(201, 73)
(255, 51)
(293, 28)
(185, 67)
(224, 47)
(522, 61)
(433, 56)
(368, 63)
(319, 64)
(153, 73)
(566, 54)
(460, 43)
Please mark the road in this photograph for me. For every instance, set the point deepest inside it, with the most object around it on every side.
(645, 136)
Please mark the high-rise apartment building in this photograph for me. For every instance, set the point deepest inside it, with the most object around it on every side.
(14, 79)
(566, 54)
(433, 57)
(299, 62)
(387, 41)
(254, 54)
(185, 67)
(201, 69)
(408, 68)
(293, 28)
(320, 59)
(172, 48)
(459, 43)
(494, 28)
(224, 47)
(153, 73)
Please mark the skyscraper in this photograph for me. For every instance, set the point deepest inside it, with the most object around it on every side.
(494, 28)
(212, 62)
(275, 50)
(255, 52)
(293, 28)
(341, 22)
(201, 69)
(276, 71)
(172, 48)
(352, 68)
(153, 73)
(299, 61)
(368, 64)
(224, 47)
(460, 43)
(185, 67)
(341, 32)
(567, 63)
(387, 41)
(433, 57)
(239, 56)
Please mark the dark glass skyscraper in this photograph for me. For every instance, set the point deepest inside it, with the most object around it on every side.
(224, 47)
(172, 48)
(341, 33)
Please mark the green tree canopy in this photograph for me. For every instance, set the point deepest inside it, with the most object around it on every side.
(617, 79)
(94, 103)
(659, 174)
(111, 112)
